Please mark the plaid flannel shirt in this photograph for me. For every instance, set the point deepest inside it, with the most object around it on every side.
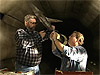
(28, 47)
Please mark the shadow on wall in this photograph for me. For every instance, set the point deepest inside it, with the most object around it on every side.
(7, 46)
(8, 63)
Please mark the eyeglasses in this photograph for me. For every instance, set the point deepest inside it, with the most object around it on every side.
(33, 22)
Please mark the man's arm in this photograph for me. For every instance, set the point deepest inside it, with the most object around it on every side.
(55, 42)
(59, 45)
(53, 46)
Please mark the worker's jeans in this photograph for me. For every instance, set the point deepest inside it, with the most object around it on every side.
(24, 69)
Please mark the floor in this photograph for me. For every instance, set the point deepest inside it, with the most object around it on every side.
(47, 67)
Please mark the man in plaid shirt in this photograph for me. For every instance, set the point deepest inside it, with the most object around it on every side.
(29, 46)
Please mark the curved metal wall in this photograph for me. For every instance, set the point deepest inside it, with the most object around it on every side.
(85, 12)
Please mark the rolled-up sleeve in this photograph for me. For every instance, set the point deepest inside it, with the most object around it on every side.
(57, 53)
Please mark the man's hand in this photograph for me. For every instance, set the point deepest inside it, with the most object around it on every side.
(53, 35)
(53, 27)
(42, 33)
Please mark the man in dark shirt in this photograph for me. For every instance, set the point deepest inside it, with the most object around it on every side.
(29, 46)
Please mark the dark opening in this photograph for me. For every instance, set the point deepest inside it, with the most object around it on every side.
(1, 16)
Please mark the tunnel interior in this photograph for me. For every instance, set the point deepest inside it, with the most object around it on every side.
(79, 15)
